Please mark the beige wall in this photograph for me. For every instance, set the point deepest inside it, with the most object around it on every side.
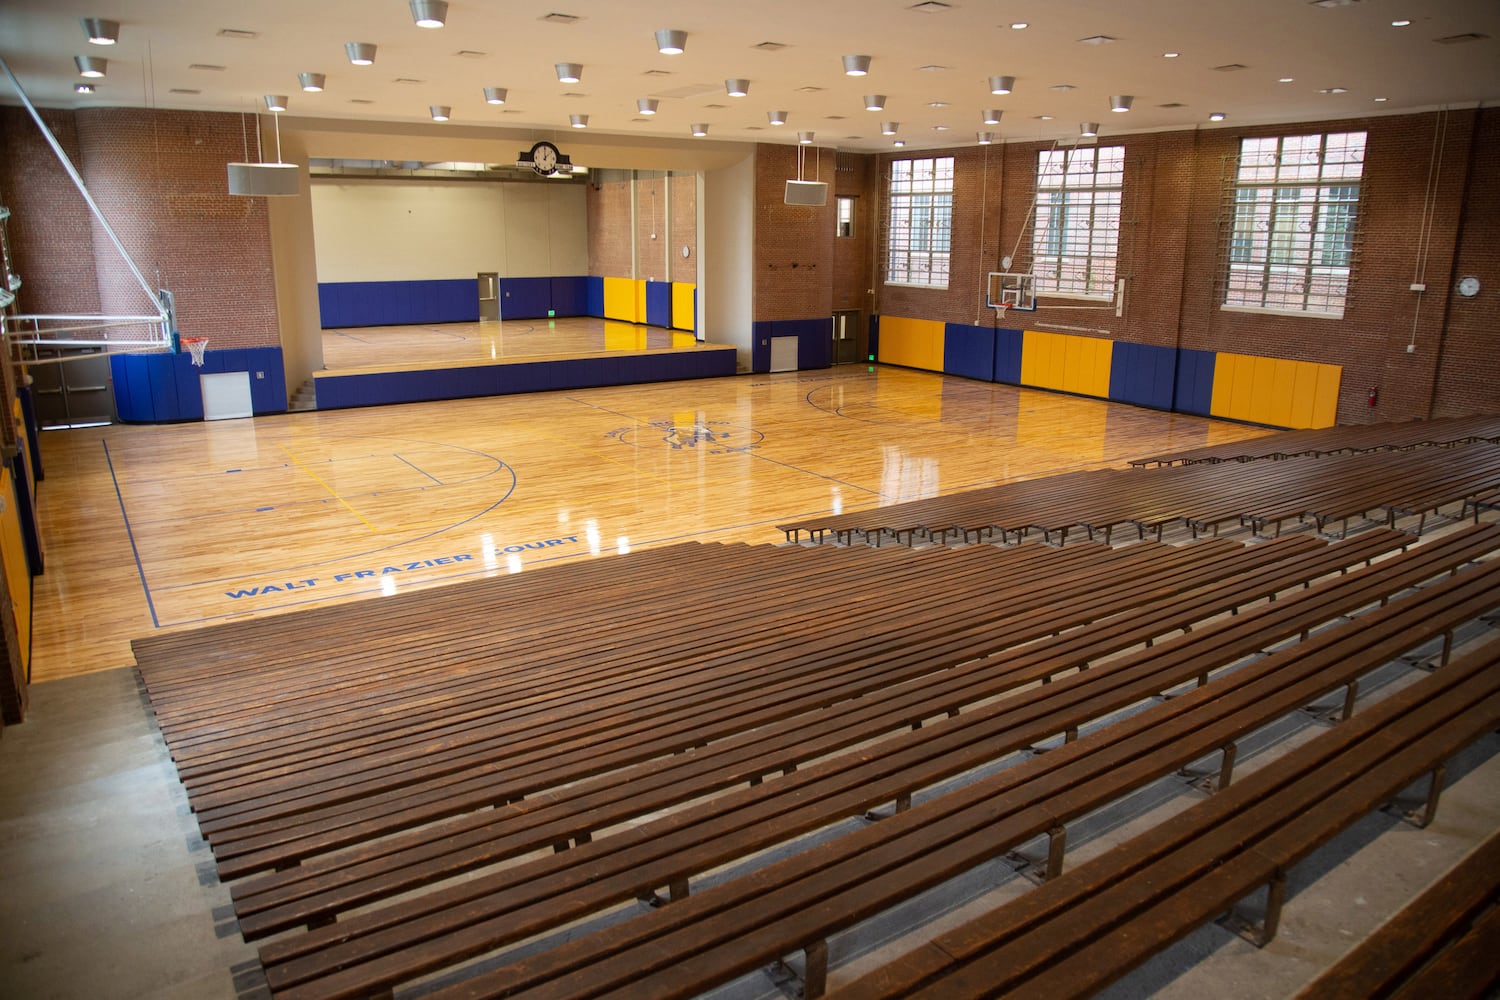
(402, 230)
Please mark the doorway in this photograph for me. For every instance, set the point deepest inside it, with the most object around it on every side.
(846, 327)
(75, 392)
(489, 295)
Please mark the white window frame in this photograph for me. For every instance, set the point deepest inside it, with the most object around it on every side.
(1293, 215)
(1075, 237)
(919, 236)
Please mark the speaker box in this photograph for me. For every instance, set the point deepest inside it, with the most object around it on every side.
(807, 192)
(274, 179)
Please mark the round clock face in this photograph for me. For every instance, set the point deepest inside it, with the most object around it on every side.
(544, 157)
(1468, 286)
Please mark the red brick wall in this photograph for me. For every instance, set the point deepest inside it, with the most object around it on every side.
(1171, 254)
(160, 179)
(794, 273)
(1468, 375)
(851, 254)
(49, 219)
(684, 201)
(609, 228)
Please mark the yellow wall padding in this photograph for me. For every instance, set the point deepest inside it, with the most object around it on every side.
(1275, 391)
(1065, 362)
(915, 343)
(682, 306)
(13, 560)
(619, 299)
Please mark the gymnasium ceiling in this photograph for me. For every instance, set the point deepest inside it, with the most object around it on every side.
(932, 61)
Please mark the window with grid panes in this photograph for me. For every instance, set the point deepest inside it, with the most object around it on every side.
(1294, 212)
(920, 233)
(1076, 237)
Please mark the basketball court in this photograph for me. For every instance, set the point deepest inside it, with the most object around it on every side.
(170, 526)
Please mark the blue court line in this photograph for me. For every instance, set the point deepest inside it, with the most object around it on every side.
(134, 552)
(423, 471)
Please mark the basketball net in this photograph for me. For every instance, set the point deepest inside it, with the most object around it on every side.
(195, 346)
(1000, 312)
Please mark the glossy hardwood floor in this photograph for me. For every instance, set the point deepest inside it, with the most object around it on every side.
(398, 348)
(172, 526)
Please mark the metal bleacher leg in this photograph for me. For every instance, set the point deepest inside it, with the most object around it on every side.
(1275, 897)
(1226, 767)
(1434, 792)
(1057, 845)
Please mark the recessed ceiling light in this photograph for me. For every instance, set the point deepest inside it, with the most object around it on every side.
(1401, 23)
(1216, 116)
(100, 31)
(899, 143)
(937, 104)
(671, 41)
(1170, 55)
(1019, 26)
(1044, 118)
(1286, 79)
(1381, 100)
(940, 128)
(1334, 90)
(429, 13)
(83, 88)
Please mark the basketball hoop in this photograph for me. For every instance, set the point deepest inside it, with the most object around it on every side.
(1000, 308)
(196, 346)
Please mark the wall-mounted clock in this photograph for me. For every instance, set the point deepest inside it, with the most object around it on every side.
(544, 158)
(1468, 286)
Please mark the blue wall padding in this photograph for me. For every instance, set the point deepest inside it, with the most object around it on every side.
(380, 388)
(164, 387)
(395, 303)
(525, 298)
(814, 341)
(1008, 345)
(1195, 381)
(1143, 374)
(659, 303)
(594, 296)
(570, 295)
(969, 351)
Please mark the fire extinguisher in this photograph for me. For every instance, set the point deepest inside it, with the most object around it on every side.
(1374, 395)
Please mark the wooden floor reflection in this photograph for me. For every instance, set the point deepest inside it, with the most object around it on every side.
(169, 526)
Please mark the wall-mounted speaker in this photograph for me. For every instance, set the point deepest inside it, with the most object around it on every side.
(269, 179)
(807, 192)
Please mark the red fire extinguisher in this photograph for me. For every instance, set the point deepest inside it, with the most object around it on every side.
(1374, 395)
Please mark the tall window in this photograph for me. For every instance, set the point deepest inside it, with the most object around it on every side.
(921, 223)
(1291, 240)
(844, 215)
(1076, 238)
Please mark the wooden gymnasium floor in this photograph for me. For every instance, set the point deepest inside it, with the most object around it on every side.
(172, 526)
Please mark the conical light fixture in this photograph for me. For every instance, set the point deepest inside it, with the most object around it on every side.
(578, 121)
(440, 112)
(275, 102)
(805, 138)
(92, 67)
(991, 116)
(429, 13)
(1002, 84)
(856, 65)
(889, 128)
(776, 117)
(495, 95)
(569, 72)
(360, 53)
(736, 88)
(1088, 129)
(670, 41)
(312, 82)
(100, 31)
(1120, 103)
(874, 102)
(700, 129)
(647, 105)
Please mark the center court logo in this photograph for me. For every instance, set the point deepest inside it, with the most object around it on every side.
(715, 437)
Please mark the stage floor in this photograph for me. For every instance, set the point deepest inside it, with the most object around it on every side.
(487, 342)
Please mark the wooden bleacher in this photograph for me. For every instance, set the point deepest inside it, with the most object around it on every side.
(1346, 439)
(1204, 497)
(357, 777)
